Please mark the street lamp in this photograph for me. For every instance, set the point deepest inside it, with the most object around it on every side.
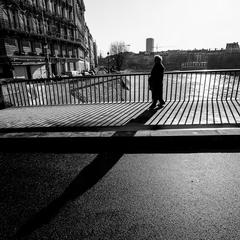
(45, 46)
(108, 60)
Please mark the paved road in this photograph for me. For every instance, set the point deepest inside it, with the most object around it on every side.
(140, 196)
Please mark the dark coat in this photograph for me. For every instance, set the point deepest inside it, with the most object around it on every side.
(156, 80)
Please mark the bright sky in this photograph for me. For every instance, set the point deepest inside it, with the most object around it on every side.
(174, 24)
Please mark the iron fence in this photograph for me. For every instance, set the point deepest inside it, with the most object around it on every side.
(177, 86)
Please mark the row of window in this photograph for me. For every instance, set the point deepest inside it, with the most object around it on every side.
(15, 20)
(58, 7)
(38, 48)
(29, 23)
(194, 64)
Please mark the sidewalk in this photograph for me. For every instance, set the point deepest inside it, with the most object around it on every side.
(103, 127)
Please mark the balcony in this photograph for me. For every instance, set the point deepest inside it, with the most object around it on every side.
(19, 53)
(32, 54)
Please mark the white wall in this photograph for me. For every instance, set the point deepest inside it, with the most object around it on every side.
(80, 66)
(87, 66)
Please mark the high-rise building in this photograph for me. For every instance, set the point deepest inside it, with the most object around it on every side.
(149, 45)
(43, 38)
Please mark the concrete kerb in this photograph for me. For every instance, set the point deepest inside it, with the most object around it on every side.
(142, 141)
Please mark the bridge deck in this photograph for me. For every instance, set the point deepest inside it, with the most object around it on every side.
(87, 116)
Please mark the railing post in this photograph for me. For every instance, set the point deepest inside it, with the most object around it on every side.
(2, 103)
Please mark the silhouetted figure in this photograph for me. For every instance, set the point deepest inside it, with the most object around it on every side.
(156, 82)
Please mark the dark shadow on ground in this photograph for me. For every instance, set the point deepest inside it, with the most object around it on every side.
(86, 179)
(144, 117)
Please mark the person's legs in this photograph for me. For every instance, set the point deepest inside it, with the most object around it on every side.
(153, 105)
(161, 101)
(160, 97)
(154, 100)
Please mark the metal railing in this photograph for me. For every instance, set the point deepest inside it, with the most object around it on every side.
(218, 85)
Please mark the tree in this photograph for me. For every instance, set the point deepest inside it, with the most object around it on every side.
(117, 49)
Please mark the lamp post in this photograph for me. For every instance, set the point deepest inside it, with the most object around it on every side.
(108, 60)
(45, 47)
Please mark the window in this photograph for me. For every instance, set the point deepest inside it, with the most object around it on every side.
(67, 53)
(59, 29)
(21, 21)
(52, 49)
(65, 32)
(61, 50)
(70, 13)
(55, 7)
(59, 9)
(32, 46)
(50, 5)
(72, 34)
(38, 45)
(63, 67)
(45, 3)
(37, 25)
(29, 24)
(15, 20)
(20, 46)
(48, 27)
(70, 52)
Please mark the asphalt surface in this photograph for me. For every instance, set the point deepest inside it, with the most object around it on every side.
(116, 196)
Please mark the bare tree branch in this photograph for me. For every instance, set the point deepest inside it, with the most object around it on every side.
(117, 49)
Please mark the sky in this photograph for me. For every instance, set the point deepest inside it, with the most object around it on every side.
(174, 24)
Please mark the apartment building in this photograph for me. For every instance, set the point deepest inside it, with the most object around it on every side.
(42, 38)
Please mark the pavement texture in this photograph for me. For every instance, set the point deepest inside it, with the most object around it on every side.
(120, 196)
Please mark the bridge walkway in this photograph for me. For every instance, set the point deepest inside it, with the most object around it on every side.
(178, 114)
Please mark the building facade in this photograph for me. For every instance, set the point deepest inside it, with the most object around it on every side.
(232, 46)
(42, 38)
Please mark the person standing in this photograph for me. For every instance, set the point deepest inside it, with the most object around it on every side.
(156, 82)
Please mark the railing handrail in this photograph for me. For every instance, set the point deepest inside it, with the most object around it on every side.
(9, 80)
(204, 71)
(200, 85)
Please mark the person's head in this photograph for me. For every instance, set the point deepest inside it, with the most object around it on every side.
(157, 59)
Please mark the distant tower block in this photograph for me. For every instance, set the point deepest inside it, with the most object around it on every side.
(150, 45)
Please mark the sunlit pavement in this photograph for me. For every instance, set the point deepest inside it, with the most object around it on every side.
(142, 196)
